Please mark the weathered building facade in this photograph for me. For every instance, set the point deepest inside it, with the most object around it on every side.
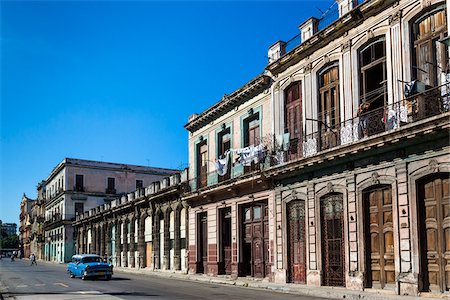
(143, 229)
(353, 186)
(75, 186)
(329, 169)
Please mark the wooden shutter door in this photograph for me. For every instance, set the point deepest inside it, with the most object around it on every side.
(297, 242)
(434, 214)
(380, 268)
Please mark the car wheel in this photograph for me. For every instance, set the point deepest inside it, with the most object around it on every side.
(71, 275)
(108, 277)
(83, 277)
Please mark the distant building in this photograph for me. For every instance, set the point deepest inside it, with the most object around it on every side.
(9, 228)
(75, 186)
(25, 225)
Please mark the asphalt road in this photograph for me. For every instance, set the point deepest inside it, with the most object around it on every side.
(50, 281)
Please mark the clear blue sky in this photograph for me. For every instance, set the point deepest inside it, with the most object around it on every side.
(116, 81)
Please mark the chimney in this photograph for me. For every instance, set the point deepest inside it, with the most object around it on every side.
(276, 51)
(345, 6)
(308, 28)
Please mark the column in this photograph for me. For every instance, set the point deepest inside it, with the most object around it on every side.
(93, 238)
(156, 251)
(177, 239)
(108, 240)
(101, 229)
(141, 240)
(313, 276)
(356, 278)
(166, 239)
(407, 279)
(132, 245)
(118, 242)
(125, 242)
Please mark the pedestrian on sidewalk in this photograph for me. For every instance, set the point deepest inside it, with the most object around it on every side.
(33, 259)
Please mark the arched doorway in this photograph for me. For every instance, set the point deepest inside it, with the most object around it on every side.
(379, 237)
(296, 232)
(332, 221)
(434, 232)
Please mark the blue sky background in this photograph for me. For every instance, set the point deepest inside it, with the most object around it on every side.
(116, 81)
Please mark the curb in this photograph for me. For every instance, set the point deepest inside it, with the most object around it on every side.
(323, 292)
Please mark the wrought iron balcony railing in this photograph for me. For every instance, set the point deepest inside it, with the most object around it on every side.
(429, 103)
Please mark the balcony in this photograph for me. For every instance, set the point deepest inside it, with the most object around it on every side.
(58, 219)
(110, 191)
(370, 124)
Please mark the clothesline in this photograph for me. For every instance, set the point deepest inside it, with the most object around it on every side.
(247, 155)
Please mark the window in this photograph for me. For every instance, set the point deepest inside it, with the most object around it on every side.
(79, 186)
(373, 73)
(329, 121)
(251, 131)
(79, 208)
(139, 184)
(293, 118)
(111, 188)
(429, 56)
(202, 169)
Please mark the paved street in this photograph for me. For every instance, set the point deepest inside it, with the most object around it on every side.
(50, 281)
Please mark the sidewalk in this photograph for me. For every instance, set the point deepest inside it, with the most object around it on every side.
(324, 292)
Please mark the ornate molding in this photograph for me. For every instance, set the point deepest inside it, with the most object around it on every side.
(308, 68)
(330, 187)
(326, 59)
(346, 46)
(433, 165)
(395, 18)
(375, 178)
(370, 34)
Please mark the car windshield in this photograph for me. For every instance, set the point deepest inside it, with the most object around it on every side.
(91, 259)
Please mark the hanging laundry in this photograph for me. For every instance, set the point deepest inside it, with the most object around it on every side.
(249, 154)
(222, 164)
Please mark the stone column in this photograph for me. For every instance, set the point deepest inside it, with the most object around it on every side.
(177, 238)
(93, 238)
(166, 239)
(101, 229)
(156, 252)
(141, 240)
(108, 239)
(118, 243)
(132, 247)
(125, 242)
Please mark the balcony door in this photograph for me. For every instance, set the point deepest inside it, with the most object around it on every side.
(202, 169)
(329, 120)
(293, 119)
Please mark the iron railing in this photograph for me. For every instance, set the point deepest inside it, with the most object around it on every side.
(429, 103)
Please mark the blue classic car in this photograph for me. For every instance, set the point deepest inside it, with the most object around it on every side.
(89, 265)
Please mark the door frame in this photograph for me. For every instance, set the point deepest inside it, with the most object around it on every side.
(417, 173)
(420, 215)
(369, 182)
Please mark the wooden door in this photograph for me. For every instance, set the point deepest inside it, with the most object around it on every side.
(332, 217)
(203, 242)
(225, 228)
(297, 241)
(149, 254)
(434, 223)
(254, 245)
(293, 119)
(202, 170)
(379, 237)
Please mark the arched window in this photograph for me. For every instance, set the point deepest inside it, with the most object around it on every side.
(429, 57)
(329, 120)
(372, 59)
(293, 118)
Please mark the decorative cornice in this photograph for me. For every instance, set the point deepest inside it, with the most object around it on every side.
(228, 102)
(395, 18)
